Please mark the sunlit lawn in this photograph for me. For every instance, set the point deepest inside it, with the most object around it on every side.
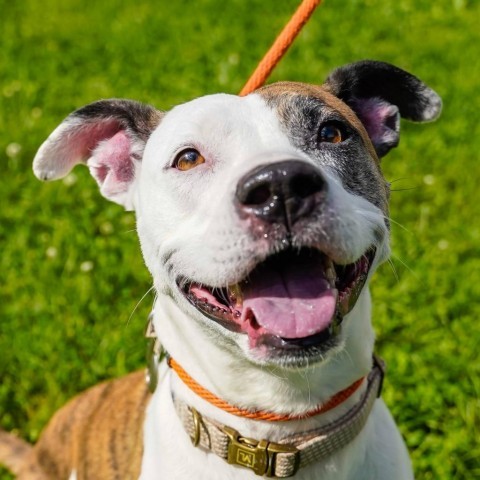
(71, 269)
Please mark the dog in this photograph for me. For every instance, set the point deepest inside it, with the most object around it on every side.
(261, 219)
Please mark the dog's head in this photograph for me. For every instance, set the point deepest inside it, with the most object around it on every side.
(262, 216)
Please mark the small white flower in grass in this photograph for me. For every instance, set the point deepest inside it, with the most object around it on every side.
(51, 252)
(36, 112)
(70, 179)
(11, 89)
(86, 266)
(223, 74)
(234, 59)
(106, 228)
(13, 149)
(443, 244)
(429, 179)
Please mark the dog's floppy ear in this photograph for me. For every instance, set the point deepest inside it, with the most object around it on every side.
(379, 93)
(109, 136)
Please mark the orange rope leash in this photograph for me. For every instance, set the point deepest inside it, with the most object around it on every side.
(280, 46)
(260, 415)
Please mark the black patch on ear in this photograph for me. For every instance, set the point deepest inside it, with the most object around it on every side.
(368, 78)
(368, 87)
(137, 117)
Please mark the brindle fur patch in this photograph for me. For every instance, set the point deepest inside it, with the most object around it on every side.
(99, 434)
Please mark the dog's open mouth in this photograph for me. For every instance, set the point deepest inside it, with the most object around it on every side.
(292, 300)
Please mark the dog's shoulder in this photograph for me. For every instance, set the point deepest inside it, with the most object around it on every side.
(98, 434)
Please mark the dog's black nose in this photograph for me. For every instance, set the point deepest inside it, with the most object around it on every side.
(281, 192)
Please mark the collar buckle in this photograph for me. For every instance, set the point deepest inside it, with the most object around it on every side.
(259, 456)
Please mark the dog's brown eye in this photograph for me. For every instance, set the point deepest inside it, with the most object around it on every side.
(331, 134)
(188, 159)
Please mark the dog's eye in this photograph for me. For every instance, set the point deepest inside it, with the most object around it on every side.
(188, 159)
(332, 133)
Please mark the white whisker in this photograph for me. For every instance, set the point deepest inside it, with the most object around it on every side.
(139, 302)
(404, 264)
(394, 270)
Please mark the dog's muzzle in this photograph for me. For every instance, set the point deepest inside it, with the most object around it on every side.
(291, 304)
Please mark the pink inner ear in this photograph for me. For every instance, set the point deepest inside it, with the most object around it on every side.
(87, 137)
(112, 165)
(114, 155)
(380, 118)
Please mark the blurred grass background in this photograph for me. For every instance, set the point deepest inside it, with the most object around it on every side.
(70, 267)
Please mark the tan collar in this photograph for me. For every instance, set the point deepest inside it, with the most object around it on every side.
(272, 459)
(281, 459)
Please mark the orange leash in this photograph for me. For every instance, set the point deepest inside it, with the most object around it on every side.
(280, 46)
(260, 415)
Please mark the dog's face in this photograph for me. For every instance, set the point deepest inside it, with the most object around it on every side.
(261, 216)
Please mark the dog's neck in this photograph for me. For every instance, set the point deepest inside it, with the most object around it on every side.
(226, 374)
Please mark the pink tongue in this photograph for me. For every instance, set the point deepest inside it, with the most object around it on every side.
(290, 302)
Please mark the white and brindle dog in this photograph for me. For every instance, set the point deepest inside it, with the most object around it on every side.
(261, 219)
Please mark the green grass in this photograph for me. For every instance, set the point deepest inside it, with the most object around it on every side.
(71, 269)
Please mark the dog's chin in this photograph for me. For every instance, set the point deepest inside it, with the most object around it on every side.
(289, 355)
(289, 309)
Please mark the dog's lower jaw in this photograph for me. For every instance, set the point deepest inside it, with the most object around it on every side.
(227, 371)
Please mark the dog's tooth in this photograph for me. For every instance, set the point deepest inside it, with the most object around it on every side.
(235, 294)
(330, 272)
